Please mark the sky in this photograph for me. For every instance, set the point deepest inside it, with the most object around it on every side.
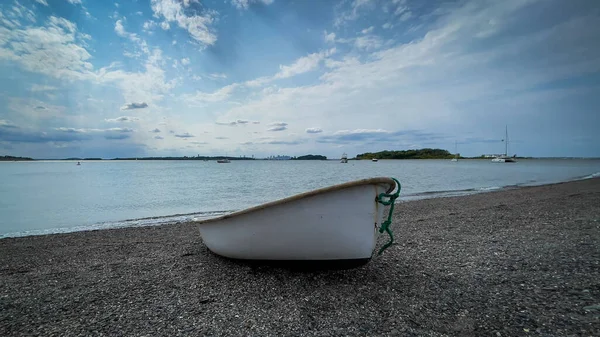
(83, 78)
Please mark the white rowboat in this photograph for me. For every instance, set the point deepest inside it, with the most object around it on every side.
(339, 222)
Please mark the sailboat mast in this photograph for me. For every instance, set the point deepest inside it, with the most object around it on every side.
(506, 142)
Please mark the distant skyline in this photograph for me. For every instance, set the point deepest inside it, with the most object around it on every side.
(82, 78)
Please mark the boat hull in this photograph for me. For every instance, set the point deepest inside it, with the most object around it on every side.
(503, 160)
(337, 223)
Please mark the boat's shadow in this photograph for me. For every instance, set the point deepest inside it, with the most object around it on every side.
(295, 265)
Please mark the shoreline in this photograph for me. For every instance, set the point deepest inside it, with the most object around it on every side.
(513, 262)
(172, 219)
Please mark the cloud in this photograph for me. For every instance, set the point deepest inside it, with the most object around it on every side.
(185, 61)
(37, 88)
(122, 119)
(244, 4)
(43, 2)
(155, 130)
(148, 25)
(368, 42)
(278, 126)
(387, 25)
(301, 65)
(380, 136)
(142, 45)
(7, 124)
(199, 143)
(368, 30)
(283, 142)
(353, 13)
(216, 96)
(60, 134)
(131, 106)
(234, 123)
(51, 50)
(184, 135)
(313, 130)
(329, 37)
(195, 22)
(158, 137)
(216, 76)
(74, 2)
(221, 137)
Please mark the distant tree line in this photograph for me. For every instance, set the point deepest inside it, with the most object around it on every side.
(12, 158)
(309, 157)
(408, 154)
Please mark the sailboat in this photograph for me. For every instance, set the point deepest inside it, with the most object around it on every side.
(455, 152)
(504, 158)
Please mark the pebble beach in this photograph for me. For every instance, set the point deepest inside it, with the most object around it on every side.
(516, 262)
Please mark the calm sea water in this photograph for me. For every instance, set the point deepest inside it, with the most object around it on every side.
(52, 197)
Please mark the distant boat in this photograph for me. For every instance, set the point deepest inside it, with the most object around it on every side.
(310, 226)
(455, 152)
(344, 158)
(222, 161)
(78, 163)
(374, 159)
(505, 158)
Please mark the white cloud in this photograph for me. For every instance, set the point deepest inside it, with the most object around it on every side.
(216, 96)
(244, 4)
(165, 25)
(147, 86)
(356, 7)
(185, 61)
(303, 64)
(406, 16)
(122, 119)
(368, 30)
(51, 50)
(234, 123)
(329, 37)
(149, 25)
(43, 2)
(387, 25)
(313, 130)
(300, 66)
(120, 30)
(7, 124)
(157, 130)
(37, 87)
(216, 76)
(74, 2)
(368, 42)
(197, 25)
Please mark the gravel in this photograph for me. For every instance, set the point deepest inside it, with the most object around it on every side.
(521, 262)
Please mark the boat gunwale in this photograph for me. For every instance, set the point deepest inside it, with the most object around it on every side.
(304, 195)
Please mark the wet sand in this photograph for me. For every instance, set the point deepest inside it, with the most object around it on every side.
(509, 263)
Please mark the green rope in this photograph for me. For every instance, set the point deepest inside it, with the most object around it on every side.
(385, 226)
